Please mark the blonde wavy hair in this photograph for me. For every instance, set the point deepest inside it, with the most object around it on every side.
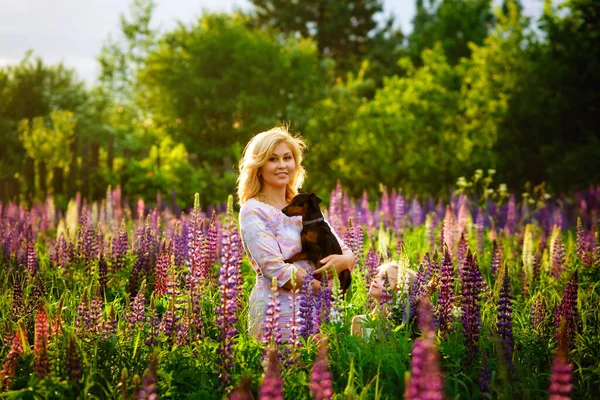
(256, 154)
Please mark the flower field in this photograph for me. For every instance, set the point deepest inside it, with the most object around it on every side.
(108, 300)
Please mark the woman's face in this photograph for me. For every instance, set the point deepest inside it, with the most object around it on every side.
(279, 169)
(377, 284)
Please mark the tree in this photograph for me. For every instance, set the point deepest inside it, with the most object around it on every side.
(214, 85)
(346, 31)
(453, 23)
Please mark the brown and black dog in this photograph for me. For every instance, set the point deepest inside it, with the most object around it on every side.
(317, 239)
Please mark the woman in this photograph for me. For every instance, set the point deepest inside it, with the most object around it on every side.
(391, 270)
(270, 174)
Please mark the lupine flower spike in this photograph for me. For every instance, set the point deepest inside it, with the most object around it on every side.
(272, 385)
(321, 383)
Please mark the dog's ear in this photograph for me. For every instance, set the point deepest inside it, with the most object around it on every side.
(315, 200)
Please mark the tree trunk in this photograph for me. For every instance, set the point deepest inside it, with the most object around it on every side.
(73, 171)
(29, 174)
(58, 180)
(43, 176)
(111, 153)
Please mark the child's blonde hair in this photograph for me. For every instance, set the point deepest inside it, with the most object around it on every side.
(394, 267)
(256, 154)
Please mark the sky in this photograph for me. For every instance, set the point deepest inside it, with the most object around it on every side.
(73, 31)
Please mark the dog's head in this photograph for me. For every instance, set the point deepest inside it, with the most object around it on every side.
(301, 204)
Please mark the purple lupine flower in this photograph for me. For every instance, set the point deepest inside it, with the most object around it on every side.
(73, 363)
(134, 278)
(82, 315)
(153, 323)
(229, 288)
(504, 323)
(272, 332)
(163, 263)
(418, 287)
(471, 318)
(558, 258)
(496, 257)
(318, 300)
(597, 252)
(102, 274)
(567, 309)
(430, 231)
(136, 315)
(195, 244)
(426, 380)
(479, 231)
(294, 325)
(180, 242)
(42, 336)
(359, 244)
(167, 322)
(450, 232)
(399, 213)
(32, 261)
(149, 391)
(182, 329)
(372, 261)
(94, 315)
(385, 208)
(462, 254)
(9, 368)
(485, 376)
(562, 371)
(584, 245)
(510, 226)
(209, 251)
(120, 244)
(446, 295)
(109, 326)
(271, 387)
(321, 382)
(364, 216)
(242, 391)
(335, 207)
(350, 237)
(539, 313)
(416, 212)
(306, 307)
(463, 214)
(18, 306)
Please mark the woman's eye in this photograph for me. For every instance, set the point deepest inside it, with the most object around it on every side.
(288, 158)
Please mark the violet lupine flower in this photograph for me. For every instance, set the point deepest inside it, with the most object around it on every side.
(180, 242)
(272, 385)
(9, 368)
(562, 371)
(73, 362)
(479, 232)
(416, 212)
(504, 323)
(163, 263)
(426, 380)
(102, 274)
(82, 315)
(567, 309)
(153, 323)
(446, 295)
(400, 213)
(364, 216)
(136, 315)
(148, 390)
(229, 287)
(418, 289)
(167, 322)
(94, 316)
(195, 244)
(471, 318)
(450, 232)
(558, 258)
(209, 250)
(134, 278)
(318, 300)
(510, 226)
(463, 213)
(182, 329)
(462, 254)
(372, 261)
(485, 376)
(306, 307)
(350, 236)
(539, 313)
(109, 326)
(242, 391)
(321, 381)
(32, 261)
(385, 208)
(120, 245)
(42, 336)
(18, 306)
(272, 332)
(335, 207)
(496, 257)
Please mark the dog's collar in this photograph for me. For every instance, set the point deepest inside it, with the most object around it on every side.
(313, 221)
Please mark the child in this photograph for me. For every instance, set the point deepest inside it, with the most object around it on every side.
(392, 271)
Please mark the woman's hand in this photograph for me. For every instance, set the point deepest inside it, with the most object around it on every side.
(338, 261)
